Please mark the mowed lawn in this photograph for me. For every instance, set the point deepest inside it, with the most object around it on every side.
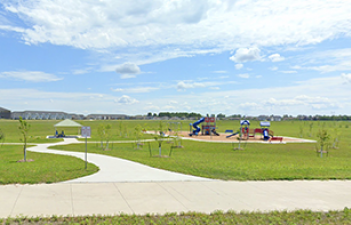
(220, 161)
(255, 162)
(38, 131)
(46, 168)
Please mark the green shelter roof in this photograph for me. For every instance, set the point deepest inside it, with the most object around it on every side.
(67, 123)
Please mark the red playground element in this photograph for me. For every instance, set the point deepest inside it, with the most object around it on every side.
(276, 139)
(210, 127)
(251, 132)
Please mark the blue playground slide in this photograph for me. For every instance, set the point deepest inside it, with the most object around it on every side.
(265, 134)
(232, 135)
(195, 125)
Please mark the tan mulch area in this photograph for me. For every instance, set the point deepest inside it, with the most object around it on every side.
(223, 138)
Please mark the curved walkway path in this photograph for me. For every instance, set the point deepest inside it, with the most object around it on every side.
(114, 169)
(108, 193)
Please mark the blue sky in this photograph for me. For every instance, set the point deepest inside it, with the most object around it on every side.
(217, 56)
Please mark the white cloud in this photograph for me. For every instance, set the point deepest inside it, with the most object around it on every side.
(244, 75)
(82, 71)
(314, 102)
(288, 71)
(239, 66)
(128, 70)
(246, 54)
(305, 97)
(126, 100)
(274, 68)
(276, 57)
(135, 90)
(191, 26)
(32, 76)
(182, 85)
(173, 102)
(249, 105)
(12, 28)
(327, 61)
(346, 77)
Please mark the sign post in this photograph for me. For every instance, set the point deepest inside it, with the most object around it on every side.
(86, 132)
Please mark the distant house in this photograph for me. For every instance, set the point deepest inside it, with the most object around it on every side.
(139, 117)
(5, 113)
(276, 118)
(41, 115)
(262, 117)
(107, 117)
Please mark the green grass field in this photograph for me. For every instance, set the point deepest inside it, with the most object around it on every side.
(218, 217)
(220, 161)
(213, 160)
(256, 162)
(46, 168)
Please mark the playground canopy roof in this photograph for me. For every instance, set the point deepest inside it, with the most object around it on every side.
(67, 123)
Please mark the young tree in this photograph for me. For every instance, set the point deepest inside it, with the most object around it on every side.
(24, 128)
(120, 126)
(104, 132)
(301, 131)
(311, 128)
(138, 133)
(2, 137)
(159, 138)
(336, 138)
(323, 141)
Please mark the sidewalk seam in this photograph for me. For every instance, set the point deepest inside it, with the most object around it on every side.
(14, 205)
(114, 184)
(73, 214)
(174, 196)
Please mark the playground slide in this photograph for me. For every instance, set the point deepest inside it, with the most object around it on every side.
(265, 134)
(195, 125)
(215, 132)
(232, 135)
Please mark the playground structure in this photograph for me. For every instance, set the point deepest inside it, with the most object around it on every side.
(208, 129)
(245, 132)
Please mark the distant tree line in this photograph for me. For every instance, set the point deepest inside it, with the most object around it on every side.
(175, 114)
(332, 117)
(239, 116)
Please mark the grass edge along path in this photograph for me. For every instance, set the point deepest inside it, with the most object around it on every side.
(46, 168)
(217, 217)
(219, 160)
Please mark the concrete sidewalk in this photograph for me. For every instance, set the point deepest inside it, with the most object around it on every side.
(114, 169)
(161, 197)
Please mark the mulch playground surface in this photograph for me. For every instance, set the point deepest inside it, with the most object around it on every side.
(223, 138)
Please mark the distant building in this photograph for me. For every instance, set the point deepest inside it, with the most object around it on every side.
(5, 113)
(41, 115)
(276, 118)
(107, 117)
(262, 117)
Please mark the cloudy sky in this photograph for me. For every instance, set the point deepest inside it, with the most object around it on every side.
(211, 56)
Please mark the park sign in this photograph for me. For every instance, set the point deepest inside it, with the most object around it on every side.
(86, 132)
